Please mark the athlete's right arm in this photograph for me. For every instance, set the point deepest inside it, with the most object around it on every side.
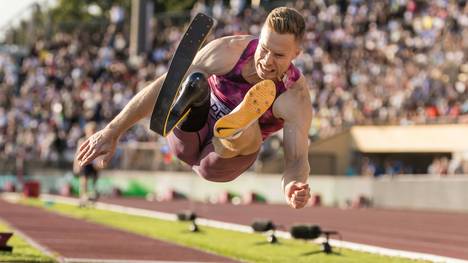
(217, 57)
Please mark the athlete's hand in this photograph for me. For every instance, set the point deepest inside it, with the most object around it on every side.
(297, 194)
(101, 144)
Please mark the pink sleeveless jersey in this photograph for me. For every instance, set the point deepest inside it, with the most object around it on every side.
(228, 91)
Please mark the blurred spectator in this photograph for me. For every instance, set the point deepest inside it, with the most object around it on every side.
(199, 7)
(237, 6)
(368, 168)
(439, 166)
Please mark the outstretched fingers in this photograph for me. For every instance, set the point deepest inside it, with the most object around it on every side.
(84, 148)
(84, 145)
(93, 154)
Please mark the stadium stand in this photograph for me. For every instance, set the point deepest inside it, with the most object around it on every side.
(398, 62)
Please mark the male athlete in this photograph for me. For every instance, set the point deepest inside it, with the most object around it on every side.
(239, 90)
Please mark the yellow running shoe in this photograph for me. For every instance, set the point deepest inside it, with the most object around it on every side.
(256, 102)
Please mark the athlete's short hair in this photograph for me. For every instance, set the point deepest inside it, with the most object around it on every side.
(285, 20)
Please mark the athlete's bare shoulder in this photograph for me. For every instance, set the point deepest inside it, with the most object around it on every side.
(220, 55)
(237, 42)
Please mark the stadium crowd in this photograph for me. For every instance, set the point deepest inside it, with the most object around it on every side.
(368, 62)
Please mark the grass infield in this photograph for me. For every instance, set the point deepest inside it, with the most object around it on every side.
(241, 246)
(22, 250)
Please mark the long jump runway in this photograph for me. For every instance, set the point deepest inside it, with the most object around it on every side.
(438, 233)
(79, 241)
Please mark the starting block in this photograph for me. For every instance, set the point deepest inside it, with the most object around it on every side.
(4, 237)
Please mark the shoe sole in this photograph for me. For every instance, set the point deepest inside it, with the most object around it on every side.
(255, 103)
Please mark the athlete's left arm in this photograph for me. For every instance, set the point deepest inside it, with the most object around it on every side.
(295, 108)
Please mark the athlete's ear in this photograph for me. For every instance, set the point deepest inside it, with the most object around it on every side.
(298, 47)
(298, 51)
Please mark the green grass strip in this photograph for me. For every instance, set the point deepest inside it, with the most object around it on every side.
(22, 250)
(241, 246)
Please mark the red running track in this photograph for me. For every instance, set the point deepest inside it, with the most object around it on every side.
(73, 238)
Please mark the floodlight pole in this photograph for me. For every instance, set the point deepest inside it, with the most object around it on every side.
(140, 30)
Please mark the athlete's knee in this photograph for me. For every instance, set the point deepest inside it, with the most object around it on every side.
(181, 150)
(184, 155)
(216, 174)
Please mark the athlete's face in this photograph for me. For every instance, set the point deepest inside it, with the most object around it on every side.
(274, 53)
